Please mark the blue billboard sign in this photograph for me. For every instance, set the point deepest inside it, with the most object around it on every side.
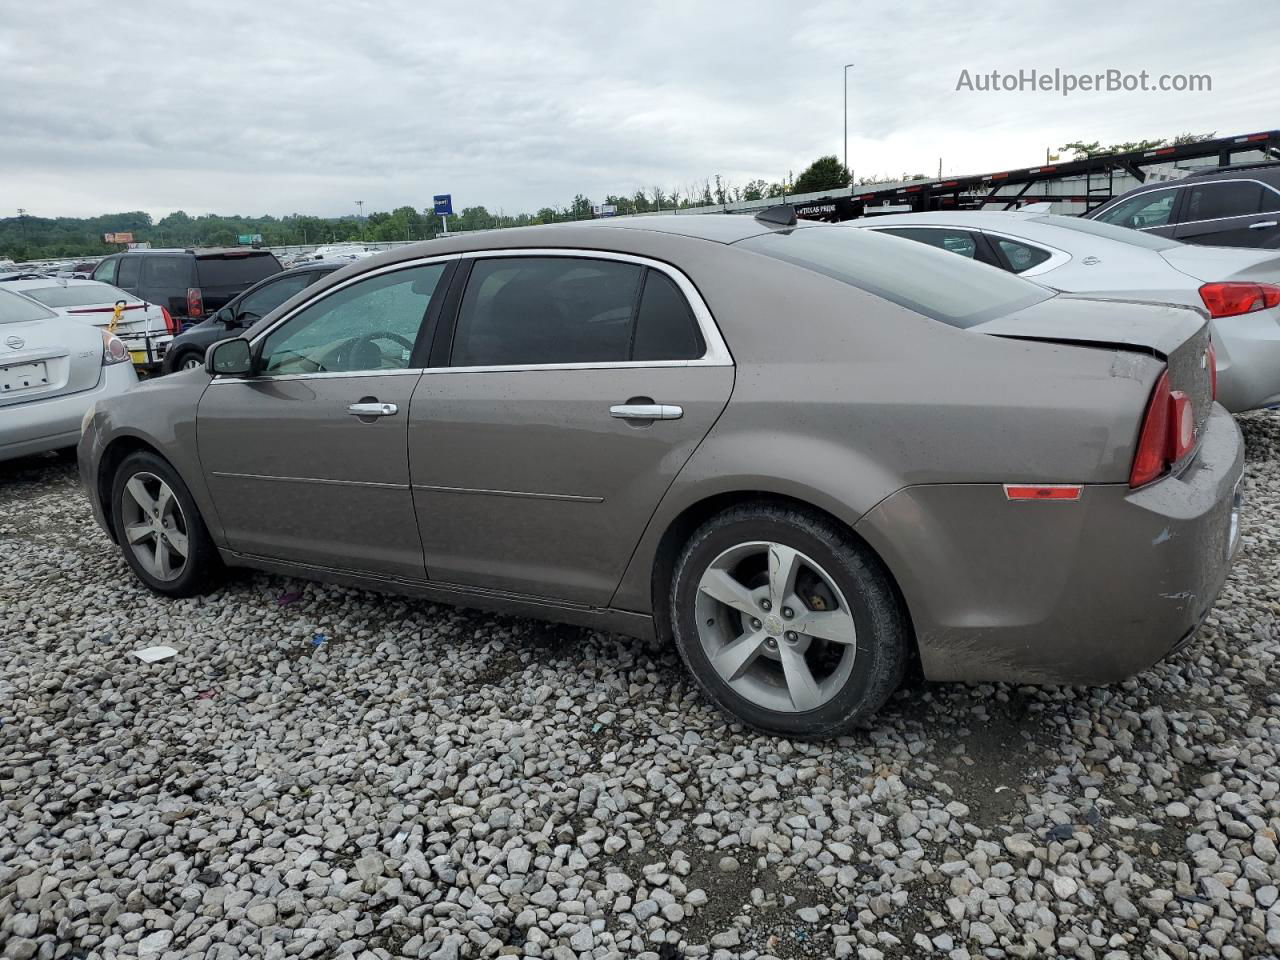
(444, 204)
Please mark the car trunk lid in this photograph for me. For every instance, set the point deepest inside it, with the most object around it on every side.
(42, 359)
(1177, 335)
(1213, 264)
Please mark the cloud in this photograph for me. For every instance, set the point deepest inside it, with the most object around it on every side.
(280, 107)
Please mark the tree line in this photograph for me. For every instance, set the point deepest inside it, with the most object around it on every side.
(29, 237)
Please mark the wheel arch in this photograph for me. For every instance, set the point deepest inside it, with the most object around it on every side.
(109, 462)
(681, 527)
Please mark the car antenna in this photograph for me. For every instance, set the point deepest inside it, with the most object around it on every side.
(783, 214)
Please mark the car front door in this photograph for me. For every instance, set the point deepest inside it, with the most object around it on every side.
(105, 272)
(305, 459)
(1230, 213)
(571, 389)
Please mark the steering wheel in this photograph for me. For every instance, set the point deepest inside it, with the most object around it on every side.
(349, 350)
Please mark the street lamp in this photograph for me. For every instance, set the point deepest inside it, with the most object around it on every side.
(360, 204)
(846, 117)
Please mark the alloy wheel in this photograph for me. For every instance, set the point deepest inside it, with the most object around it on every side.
(155, 526)
(775, 626)
(192, 362)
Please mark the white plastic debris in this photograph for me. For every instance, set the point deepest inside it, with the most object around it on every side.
(152, 654)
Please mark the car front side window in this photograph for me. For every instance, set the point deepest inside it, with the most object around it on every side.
(105, 272)
(368, 326)
(265, 299)
(1152, 209)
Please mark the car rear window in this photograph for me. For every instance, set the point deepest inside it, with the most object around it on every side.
(933, 282)
(16, 309)
(235, 270)
(1136, 238)
(80, 295)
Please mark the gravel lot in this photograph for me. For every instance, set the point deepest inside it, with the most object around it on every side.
(324, 772)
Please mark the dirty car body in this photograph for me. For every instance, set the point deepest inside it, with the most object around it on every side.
(919, 413)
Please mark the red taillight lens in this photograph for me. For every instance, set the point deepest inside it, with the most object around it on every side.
(1168, 433)
(1211, 361)
(1233, 299)
(195, 302)
(169, 323)
(113, 349)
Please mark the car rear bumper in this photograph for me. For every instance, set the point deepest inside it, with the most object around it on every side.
(42, 425)
(1248, 351)
(1091, 591)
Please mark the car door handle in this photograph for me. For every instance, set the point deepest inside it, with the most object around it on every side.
(373, 409)
(646, 411)
(1262, 225)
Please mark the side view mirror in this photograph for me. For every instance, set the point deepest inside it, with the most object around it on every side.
(229, 358)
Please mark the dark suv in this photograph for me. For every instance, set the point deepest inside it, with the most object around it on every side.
(187, 349)
(190, 284)
(1221, 207)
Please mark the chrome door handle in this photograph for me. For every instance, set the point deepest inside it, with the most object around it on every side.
(646, 411)
(1262, 225)
(373, 409)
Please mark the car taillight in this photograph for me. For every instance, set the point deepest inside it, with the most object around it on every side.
(169, 323)
(1233, 299)
(1211, 361)
(113, 349)
(195, 302)
(1168, 433)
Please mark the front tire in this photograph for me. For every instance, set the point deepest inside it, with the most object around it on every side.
(788, 622)
(159, 528)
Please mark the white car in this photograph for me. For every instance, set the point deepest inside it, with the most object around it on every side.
(146, 328)
(52, 371)
(1238, 288)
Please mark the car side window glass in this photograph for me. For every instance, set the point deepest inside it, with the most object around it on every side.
(1270, 200)
(953, 241)
(1212, 201)
(665, 325)
(172, 273)
(264, 300)
(530, 310)
(1152, 209)
(1021, 256)
(105, 272)
(128, 275)
(370, 325)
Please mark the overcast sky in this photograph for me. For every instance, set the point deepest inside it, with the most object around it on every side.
(280, 107)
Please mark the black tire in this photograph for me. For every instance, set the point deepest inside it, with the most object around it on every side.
(184, 356)
(203, 566)
(883, 638)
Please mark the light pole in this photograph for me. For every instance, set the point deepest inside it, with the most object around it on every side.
(846, 117)
(360, 205)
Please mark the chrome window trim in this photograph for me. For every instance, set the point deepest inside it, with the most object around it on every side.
(717, 351)
(1181, 184)
(1056, 259)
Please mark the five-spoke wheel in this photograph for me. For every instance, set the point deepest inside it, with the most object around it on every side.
(155, 528)
(789, 622)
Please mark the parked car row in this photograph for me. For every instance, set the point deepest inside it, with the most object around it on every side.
(810, 454)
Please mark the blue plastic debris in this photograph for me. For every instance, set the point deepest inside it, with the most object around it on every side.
(317, 639)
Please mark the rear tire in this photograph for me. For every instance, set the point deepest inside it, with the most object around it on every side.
(188, 360)
(159, 528)
(749, 585)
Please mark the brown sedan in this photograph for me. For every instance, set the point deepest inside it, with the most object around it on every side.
(810, 455)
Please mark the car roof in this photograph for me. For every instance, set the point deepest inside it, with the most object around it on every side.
(201, 251)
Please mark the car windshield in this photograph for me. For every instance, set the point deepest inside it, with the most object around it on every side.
(932, 282)
(1135, 238)
(16, 309)
(80, 295)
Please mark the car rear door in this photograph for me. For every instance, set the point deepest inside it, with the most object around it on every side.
(306, 460)
(1230, 213)
(567, 390)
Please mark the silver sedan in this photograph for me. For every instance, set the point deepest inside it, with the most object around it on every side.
(1236, 287)
(52, 371)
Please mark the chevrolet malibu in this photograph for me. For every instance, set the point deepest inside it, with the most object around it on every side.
(809, 455)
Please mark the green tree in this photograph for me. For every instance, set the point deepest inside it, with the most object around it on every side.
(825, 173)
